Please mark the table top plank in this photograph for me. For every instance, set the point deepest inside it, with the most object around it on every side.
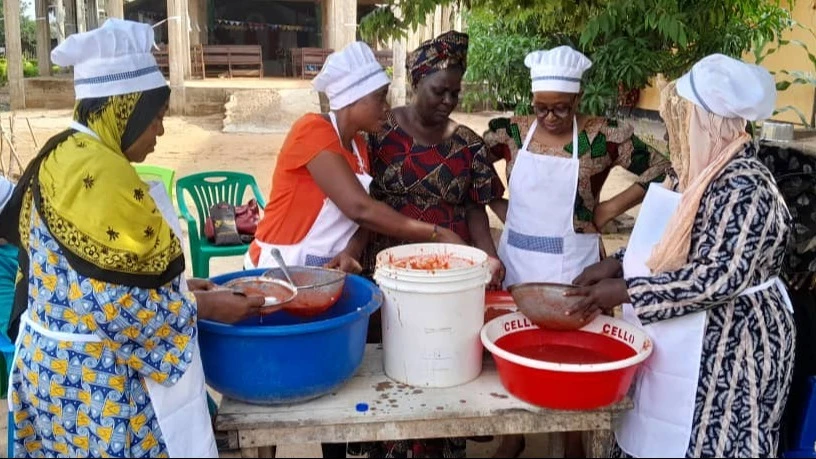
(390, 403)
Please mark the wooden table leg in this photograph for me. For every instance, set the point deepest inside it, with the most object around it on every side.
(268, 451)
(597, 443)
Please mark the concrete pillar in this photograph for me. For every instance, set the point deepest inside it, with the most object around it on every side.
(340, 23)
(196, 9)
(93, 14)
(178, 51)
(70, 17)
(400, 77)
(447, 13)
(82, 23)
(437, 21)
(43, 37)
(14, 54)
(59, 12)
(115, 8)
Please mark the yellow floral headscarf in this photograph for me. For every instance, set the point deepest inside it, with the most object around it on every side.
(94, 203)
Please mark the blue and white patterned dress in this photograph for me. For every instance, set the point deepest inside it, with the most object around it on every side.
(739, 239)
(71, 398)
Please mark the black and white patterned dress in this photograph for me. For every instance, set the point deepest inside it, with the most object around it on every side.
(739, 241)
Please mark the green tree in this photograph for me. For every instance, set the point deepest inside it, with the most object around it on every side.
(28, 30)
(629, 41)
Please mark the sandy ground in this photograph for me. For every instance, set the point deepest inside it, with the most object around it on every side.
(193, 145)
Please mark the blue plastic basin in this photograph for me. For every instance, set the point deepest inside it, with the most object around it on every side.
(286, 359)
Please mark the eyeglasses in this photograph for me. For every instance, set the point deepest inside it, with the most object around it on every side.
(562, 111)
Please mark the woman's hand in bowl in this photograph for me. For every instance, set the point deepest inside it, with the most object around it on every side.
(602, 296)
(609, 268)
(346, 263)
(228, 307)
(200, 285)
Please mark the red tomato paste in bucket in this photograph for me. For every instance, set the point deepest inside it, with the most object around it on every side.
(431, 262)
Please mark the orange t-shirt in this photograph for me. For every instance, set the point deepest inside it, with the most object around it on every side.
(296, 199)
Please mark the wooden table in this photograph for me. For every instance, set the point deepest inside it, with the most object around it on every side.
(399, 412)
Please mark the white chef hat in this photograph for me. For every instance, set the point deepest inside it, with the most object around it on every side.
(111, 60)
(730, 88)
(6, 190)
(557, 70)
(349, 75)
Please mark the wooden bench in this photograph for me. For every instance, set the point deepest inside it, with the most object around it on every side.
(385, 57)
(162, 56)
(235, 59)
(307, 62)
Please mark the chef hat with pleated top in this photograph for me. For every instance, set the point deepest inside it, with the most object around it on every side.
(730, 88)
(349, 75)
(557, 70)
(112, 60)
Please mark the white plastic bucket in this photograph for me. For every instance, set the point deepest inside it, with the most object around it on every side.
(431, 319)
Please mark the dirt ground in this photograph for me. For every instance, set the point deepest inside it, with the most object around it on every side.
(193, 145)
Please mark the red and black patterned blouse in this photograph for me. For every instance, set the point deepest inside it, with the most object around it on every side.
(431, 183)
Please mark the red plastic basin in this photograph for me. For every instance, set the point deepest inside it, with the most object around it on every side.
(612, 348)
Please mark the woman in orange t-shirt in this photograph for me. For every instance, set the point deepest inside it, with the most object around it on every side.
(319, 195)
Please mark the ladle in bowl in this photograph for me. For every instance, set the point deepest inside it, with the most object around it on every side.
(282, 264)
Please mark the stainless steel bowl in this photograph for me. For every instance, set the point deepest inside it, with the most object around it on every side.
(546, 306)
(318, 289)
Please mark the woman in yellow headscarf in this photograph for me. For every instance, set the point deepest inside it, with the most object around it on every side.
(107, 358)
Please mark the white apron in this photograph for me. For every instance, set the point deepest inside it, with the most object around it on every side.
(181, 410)
(665, 393)
(329, 234)
(539, 242)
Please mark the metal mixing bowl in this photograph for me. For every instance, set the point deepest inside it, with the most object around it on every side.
(546, 306)
(318, 289)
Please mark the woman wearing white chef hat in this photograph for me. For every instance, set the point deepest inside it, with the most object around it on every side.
(319, 196)
(558, 161)
(107, 361)
(701, 273)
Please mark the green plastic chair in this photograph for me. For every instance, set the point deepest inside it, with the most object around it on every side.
(207, 189)
(157, 173)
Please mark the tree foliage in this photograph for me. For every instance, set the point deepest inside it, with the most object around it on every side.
(28, 30)
(629, 41)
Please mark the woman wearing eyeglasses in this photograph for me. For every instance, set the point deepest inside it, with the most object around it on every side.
(557, 163)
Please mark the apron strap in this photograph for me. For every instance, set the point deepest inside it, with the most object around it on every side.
(27, 321)
(532, 130)
(333, 119)
(530, 133)
(83, 129)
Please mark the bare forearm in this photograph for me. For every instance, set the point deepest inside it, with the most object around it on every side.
(613, 208)
(479, 227)
(499, 207)
(381, 218)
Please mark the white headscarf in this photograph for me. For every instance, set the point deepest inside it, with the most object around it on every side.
(349, 75)
(557, 70)
(705, 113)
(114, 59)
(730, 88)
